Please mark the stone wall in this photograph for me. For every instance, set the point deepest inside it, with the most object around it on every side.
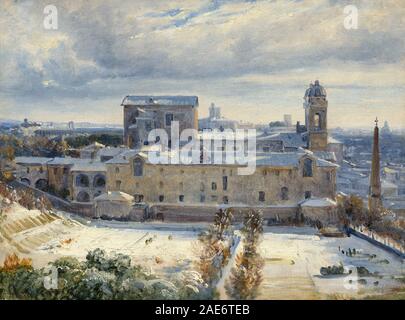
(166, 183)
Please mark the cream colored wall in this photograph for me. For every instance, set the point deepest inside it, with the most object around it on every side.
(241, 189)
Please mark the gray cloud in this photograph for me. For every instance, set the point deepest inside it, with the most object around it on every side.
(122, 44)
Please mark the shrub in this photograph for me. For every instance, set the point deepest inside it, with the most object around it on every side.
(99, 277)
(13, 262)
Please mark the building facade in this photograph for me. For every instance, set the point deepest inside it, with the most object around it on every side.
(144, 113)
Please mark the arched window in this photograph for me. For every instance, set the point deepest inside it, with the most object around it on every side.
(41, 184)
(82, 180)
(307, 171)
(118, 184)
(138, 167)
(213, 186)
(317, 121)
(99, 181)
(117, 170)
(284, 193)
(83, 196)
(26, 181)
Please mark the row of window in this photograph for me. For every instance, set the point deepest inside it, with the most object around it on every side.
(225, 199)
(307, 170)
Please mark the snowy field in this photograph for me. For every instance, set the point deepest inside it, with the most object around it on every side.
(294, 256)
(160, 251)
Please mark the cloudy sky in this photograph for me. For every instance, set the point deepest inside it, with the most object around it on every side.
(253, 58)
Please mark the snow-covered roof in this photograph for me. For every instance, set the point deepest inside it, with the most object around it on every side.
(333, 140)
(326, 155)
(281, 159)
(66, 161)
(111, 151)
(325, 163)
(114, 196)
(160, 100)
(272, 159)
(290, 139)
(123, 157)
(318, 202)
(95, 145)
(90, 166)
(32, 160)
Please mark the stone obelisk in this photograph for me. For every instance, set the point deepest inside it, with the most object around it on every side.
(374, 197)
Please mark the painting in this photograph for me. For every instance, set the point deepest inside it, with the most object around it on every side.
(202, 150)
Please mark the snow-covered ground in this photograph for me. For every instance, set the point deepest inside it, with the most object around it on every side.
(167, 252)
(156, 247)
(294, 256)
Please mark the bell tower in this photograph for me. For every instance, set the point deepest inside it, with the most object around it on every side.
(316, 107)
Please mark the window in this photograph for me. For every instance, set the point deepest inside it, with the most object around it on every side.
(161, 198)
(161, 185)
(148, 126)
(202, 187)
(202, 198)
(169, 119)
(138, 167)
(307, 172)
(118, 184)
(82, 180)
(181, 186)
(225, 183)
(284, 193)
(41, 170)
(83, 196)
(55, 170)
(261, 196)
(99, 181)
(213, 186)
(28, 170)
(328, 175)
(117, 170)
(225, 199)
(138, 198)
(65, 170)
(308, 194)
(317, 121)
(181, 198)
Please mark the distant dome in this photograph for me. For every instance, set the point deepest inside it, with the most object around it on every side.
(315, 90)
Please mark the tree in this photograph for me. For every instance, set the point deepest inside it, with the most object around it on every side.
(246, 276)
(252, 226)
(222, 221)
